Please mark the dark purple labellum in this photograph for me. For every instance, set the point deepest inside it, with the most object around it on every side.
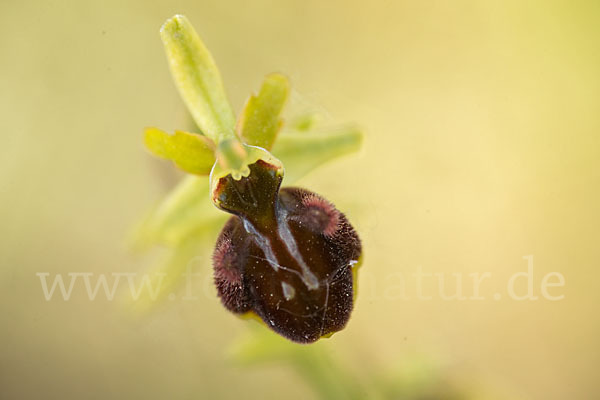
(286, 255)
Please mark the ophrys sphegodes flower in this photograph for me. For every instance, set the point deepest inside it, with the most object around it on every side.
(286, 254)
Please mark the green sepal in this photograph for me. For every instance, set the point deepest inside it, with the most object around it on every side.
(301, 152)
(197, 78)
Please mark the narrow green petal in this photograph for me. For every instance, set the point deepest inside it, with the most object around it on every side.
(190, 152)
(197, 78)
(302, 152)
(260, 121)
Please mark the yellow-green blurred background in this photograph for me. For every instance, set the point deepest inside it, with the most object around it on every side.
(482, 142)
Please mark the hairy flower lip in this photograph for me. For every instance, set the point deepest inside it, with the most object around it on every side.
(286, 255)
